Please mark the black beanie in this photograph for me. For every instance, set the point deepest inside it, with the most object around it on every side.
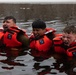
(39, 24)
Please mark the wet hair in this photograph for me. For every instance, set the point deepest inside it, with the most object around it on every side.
(39, 24)
(8, 18)
(69, 29)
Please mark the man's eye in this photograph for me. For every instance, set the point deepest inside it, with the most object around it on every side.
(3, 21)
(68, 37)
(6, 21)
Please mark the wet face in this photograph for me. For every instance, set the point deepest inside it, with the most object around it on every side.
(38, 32)
(68, 38)
(8, 23)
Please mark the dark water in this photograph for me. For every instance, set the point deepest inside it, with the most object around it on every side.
(27, 64)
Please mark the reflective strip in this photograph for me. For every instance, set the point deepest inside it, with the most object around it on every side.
(48, 31)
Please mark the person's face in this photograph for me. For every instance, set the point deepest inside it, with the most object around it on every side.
(38, 32)
(8, 23)
(68, 38)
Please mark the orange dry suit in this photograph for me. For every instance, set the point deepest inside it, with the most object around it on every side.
(10, 37)
(71, 51)
(44, 43)
(59, 46)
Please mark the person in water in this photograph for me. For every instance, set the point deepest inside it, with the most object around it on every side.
(12, 36)
(41, 37)
(67, 42)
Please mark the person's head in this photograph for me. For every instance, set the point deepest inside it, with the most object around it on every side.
(9, 21)
(69, 34)
(39, 28)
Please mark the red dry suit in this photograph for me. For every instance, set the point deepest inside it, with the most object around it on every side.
(59, 46)
(1, 38)
(10, 37)
(44, 43)
(71, 51)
